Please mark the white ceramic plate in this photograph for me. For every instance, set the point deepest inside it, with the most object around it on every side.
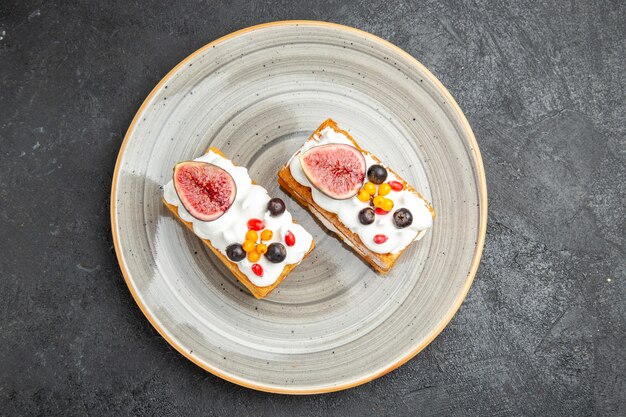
(257, 94)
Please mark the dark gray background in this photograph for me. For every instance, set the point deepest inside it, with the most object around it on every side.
(542, 331)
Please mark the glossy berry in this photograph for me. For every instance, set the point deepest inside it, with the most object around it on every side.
(254, 256)
(402, 218)
(369, 188)
(387, 204)
(363, 196)
(258, 270)
(380, 239)
(366, 216)
(266, 234)
(378, 201)
(276, 252)
(396, 185)
(384, 189)
(377, 174)
(276, 206)
(252, 235)
(249, 245)
(380, 211)
(235, 252)
(261, 248)
(290, 239)
(256, 224)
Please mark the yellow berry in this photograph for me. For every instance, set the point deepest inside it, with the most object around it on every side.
(266, 234)
(252, 235)
(384, 189)
(254, 256)
(249, 245)
(261, 248)
(363, 196)
(369, 188)
(378, 201)
(387, 204)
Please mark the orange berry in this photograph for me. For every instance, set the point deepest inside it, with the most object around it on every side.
(369, 188)
(384, 189)
(252, 235)
(387, 204)
(378, 201)
(249, 245)
(363, 196)
(266, 234)
(261, 248)
(254, 256)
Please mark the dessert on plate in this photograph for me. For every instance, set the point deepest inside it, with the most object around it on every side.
(252, 234)
(368, 206)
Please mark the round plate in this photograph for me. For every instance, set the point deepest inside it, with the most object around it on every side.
(257, 94)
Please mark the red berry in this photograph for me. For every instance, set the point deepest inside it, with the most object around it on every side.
(290, 239)
(396, 185)
(380, 239)
(256, 224)
(257, 269)
(380, 211)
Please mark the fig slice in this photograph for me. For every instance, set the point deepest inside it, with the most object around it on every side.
(205, 190)
(335, 169)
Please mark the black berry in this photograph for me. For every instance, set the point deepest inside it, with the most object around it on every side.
(366, 216)
(402, 218)
(377, 174)
(235, 252)
(276, 252)
(276, 206)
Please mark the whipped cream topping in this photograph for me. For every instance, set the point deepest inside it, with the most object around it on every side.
(348, 210)
(250, 202)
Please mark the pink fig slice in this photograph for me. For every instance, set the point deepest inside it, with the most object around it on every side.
(206, 190)
(335, 169)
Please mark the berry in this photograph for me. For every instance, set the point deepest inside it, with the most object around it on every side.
(378, 201)
(380, 239)
(387, 204)
(366, 216)
(380, 211)
(261, 248)
(235, 252)
(266, 234)
(256, 224)
(384, 189)
(276, 206)
(377, 174)
(290, 239)
(254, 256)
(258, 270)
(363, 196)
(396, 185)
(249, 245)
(369, 188)
(276, 252)
(402, 218)
(252, 235)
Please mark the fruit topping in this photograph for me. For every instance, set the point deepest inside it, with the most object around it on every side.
(380, 239)
(387, 204)
(205, 190)
(290, 239)
(254, 256)
(276, 252)
(235, 252)
(369, 188)
(396, 185)
(377, 174)
(256, 224)
(276, 206)
(261, 248)
(266, 234)
(252, 235)
(258, 270)
(402, 218)
(380, 211)
(249, 245)
(363, 196)
(337, 170)
(378, 201)
(384, 189)
(366, 216)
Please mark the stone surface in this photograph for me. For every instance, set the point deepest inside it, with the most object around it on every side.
(543, 329)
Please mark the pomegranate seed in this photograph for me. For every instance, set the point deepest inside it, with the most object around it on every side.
(256, 224)
(290, 239)
(257, 269)
(380, 211)
(396, 185)
(380, 239)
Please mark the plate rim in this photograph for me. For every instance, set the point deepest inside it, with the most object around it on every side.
(482, 226)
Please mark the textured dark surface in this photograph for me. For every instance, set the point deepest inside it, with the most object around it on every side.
(542, 331)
